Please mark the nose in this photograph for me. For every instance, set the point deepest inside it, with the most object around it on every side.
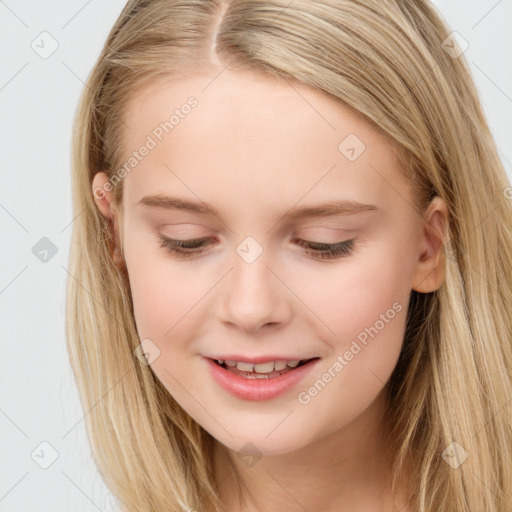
(253, 298)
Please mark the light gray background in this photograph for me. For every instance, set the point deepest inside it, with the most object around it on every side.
(38, 98)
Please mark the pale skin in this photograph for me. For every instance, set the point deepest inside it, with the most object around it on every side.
(254, 148)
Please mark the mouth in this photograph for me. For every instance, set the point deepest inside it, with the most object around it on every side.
(268, 370)
(260, 380)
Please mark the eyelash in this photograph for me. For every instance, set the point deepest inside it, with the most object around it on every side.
(187, 248)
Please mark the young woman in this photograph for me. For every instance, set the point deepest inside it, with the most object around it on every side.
(291, 262)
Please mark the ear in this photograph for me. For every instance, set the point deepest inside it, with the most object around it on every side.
(104, 199)
(103, 196)
(430, 268)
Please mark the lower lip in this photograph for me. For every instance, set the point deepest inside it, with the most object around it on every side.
(258, 389)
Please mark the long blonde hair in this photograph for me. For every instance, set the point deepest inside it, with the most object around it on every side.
(393, 62)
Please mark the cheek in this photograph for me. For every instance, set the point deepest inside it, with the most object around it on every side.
(352, 296)
(163, 290)
(364, 304)
(164, 295)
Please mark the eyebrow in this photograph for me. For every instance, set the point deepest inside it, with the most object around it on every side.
(344, 207)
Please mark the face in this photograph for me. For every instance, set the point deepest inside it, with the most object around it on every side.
(256, 184)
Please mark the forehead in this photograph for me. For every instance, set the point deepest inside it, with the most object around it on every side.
(264, 107)
(248, 128)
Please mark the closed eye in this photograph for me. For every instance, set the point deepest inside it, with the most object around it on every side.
(194, 247)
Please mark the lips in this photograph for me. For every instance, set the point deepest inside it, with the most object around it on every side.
(255, 386)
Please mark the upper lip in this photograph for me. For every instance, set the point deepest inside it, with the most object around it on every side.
(258, 359)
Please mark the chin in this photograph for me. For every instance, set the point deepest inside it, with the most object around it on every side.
(259, 445)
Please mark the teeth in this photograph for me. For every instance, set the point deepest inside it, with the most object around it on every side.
(264, 367)
(261, 368)
(245, 367)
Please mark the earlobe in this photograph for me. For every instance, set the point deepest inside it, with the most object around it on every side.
(430, 269)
